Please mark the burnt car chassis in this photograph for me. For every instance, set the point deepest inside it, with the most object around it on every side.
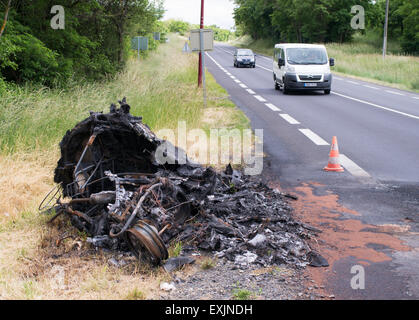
(111, 186)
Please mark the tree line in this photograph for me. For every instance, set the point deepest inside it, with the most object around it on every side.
(326, 20)
(93, 44)
(183, 27)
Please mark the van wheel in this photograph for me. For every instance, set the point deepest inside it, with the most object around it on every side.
(285, 89)
(276, 85)
(327, 91)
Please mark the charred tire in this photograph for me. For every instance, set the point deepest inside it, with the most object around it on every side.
(146, 244)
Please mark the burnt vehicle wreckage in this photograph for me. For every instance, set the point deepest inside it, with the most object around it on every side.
(126, 201)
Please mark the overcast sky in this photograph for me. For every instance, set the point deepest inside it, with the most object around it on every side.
(218, 12)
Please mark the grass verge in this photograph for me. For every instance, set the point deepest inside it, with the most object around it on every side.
(361, 58)
(39, 261)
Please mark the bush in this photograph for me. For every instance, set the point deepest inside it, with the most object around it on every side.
(2, 86)
(26, 58)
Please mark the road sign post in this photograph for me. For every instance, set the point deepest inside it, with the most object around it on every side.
(202, 40)
(202, 52)
(139, 43)
(201, 26)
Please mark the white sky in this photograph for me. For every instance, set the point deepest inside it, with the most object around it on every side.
(218, 12)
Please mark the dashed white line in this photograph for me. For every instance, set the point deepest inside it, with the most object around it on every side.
(237, 81)
(233, 77)
(228, 73)
(270, 70)
(250, 91)
(377, 106)
(243, 85)
(261, 99)
(226, 51)
(352, 167)
(416, 98)
(272, 107)
(371, 87)
(394, 92)
(337, 78)
(353, 82)
(313, 137)
(288, 118)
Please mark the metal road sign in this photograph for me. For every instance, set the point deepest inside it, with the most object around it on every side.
(186, 48)
(208, 35)
(156, 36)
(139, 43)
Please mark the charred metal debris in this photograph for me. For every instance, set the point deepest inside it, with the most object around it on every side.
(111, 187)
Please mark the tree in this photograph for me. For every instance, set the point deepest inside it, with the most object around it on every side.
(92, 44)
(410, 38)
(6, 15)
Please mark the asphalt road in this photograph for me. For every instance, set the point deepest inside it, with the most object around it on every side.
(377, 128)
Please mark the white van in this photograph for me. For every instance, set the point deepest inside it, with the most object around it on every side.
(300, 66)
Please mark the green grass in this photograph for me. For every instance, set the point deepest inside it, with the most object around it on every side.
(135, 294)
(161, 88)
(175, 249)
(361, 58)
(208, 263)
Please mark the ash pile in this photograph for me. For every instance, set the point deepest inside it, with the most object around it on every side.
(111, 186)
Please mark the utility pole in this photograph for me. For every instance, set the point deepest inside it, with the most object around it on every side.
(200, 53)
(385, 30)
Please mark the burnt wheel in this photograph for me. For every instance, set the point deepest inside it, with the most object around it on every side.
(146, 244)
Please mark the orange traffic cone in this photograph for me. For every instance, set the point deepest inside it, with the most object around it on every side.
(334, 164)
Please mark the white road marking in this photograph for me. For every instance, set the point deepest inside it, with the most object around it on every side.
(377, 106)
(250, 91)
(313, 137)
(416, 98)
(394, 92)
(237, 81)
(371, 87)
(243, 85)
(336, 78)
(270, 70)
(228, 73)
(226, 51)
(261, 99)
(272, 107)
(353, 82)
(288, 118)
(352, 167)
(232, 77)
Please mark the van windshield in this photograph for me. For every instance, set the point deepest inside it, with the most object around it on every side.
(306, 56)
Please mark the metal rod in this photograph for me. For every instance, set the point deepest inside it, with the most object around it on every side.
(386, 30)
(200, 53)
(201, 36)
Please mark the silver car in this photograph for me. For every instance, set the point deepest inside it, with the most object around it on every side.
(244, 58)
